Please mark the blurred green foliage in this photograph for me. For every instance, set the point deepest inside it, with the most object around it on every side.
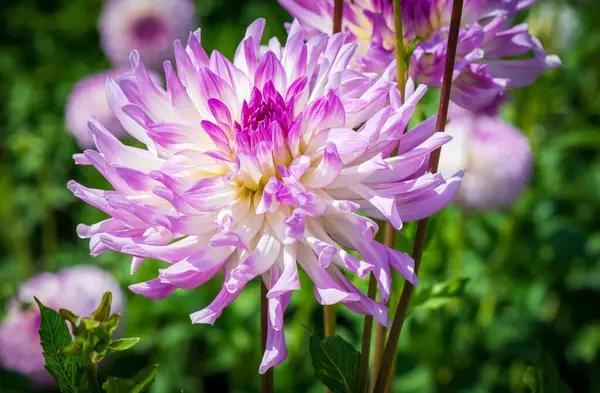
(534, 271)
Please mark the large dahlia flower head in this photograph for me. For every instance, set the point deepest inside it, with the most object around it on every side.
(254, 167)
(492, 52)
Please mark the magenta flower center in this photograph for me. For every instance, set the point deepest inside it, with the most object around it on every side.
(264, 113)
(148, 28)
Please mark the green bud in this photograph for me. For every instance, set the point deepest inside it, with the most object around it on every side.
(70, 350)
(103, 311)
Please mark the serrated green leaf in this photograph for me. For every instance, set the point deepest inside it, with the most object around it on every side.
(54, 335)
(439, 295)
(139, 383)
(123, 344)
(543, 377)
(336, 363)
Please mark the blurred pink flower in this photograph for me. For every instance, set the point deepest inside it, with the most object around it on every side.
(87, 100)
(495, 155)
(78, 289)
(148, 26)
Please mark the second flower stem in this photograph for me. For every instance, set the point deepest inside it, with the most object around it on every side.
(392, 344)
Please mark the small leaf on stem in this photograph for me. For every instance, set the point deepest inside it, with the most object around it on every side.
(336, 363)
(439, 295)
(139, 383)
(123, 344)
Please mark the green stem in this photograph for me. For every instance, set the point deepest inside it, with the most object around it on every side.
(90, 370)
(400, 51)
(366, 341)
(390, 232)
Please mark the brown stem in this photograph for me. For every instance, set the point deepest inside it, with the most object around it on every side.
(400, 317)
(366, 340)
(380, 334)
(338, 13)
(329, 322)
(329, 311)
(266, 379)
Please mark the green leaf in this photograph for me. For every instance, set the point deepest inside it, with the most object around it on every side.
(123, 344)
(543, 377)
(54, 335)
(139, 383)
(336, 363)
(439, 295)
(411, 48)
(103, 311)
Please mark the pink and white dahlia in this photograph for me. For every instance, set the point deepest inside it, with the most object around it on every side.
(496, 156)
(492, 53)
(78, 289)
(256, 166)
(149, 26)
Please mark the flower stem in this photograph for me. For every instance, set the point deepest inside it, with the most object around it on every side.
(400, 317)
(266, 379)
(366, 341)
(390, 232)
(90, 370)
(329, 322)
(400, 51)
(338, 13)
(329, 310)
(380, 334)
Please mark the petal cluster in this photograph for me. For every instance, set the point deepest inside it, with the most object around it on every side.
(496, 156)
(78, 289)
(259, 166)
(492, 52)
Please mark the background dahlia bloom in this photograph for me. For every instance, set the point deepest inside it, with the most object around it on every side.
(87, 100)
(78, 289)
(255, 167)
(487, 41)
(149, 26)
(496, 157)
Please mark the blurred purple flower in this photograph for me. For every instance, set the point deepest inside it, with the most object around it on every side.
(87, 100)
(492, 53)
(148, 26)
(78, 289)
(255, 166)
(496, 157)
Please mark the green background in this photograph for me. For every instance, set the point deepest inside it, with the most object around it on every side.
(534, 270)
